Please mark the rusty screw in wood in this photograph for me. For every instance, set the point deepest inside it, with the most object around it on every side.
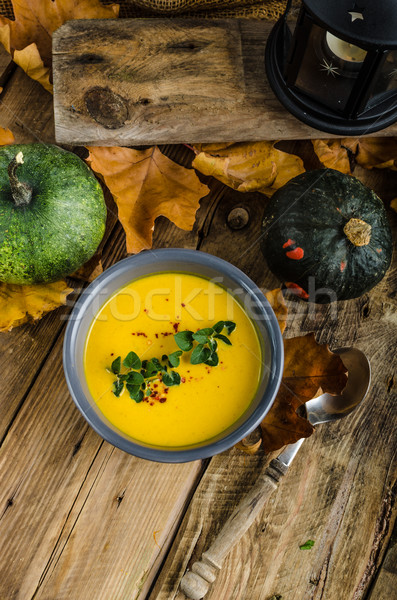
(238, 218)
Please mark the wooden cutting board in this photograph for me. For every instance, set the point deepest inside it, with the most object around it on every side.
(156, 81)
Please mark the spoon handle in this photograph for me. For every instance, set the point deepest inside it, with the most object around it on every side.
(195, 583)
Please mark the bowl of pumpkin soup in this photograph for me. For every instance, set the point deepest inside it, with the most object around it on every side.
(173, 355)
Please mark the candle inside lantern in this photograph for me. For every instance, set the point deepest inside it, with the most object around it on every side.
(344, 50)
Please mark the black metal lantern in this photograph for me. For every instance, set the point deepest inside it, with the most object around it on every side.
(338, 71)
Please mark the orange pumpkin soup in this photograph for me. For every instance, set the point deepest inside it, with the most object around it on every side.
(143, 317)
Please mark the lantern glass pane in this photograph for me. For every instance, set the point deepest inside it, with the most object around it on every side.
(329, 68)
(386, 80)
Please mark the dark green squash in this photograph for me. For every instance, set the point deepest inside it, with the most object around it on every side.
(327, 235)
(52, 213)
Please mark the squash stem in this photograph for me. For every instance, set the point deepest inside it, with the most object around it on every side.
(358, 232)
(21, 192)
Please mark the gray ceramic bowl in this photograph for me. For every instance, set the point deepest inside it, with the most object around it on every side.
(192, 261)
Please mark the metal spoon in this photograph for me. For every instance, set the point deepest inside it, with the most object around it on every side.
(324, 408)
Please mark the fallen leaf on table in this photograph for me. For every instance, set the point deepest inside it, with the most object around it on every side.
(332, 154)
(6, 137)
(22, 303)
(35, 22)
(379, 153)
(145, 184)
(30, 61)
(248, 167)
(393, 204)
(309, 369)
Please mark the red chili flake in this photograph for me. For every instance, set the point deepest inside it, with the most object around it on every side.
(296, 254)
(165, 390)
(188, 371)
(289, 243)
(163, 400)
(145, 310)
(141, 333)
(153, 394)
(156, 335)
(177, 317)
(165, 333)
(175, 326)
(155, 385)
(379, 250)
(183, 304)
(152, 404)
(167, 299)
(133, 333)
(183, 380)
(342, 265)
(338, 209)
(112, 354)
(297, 290)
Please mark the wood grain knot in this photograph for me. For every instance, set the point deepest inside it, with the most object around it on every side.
(238, 218)
(106, 107)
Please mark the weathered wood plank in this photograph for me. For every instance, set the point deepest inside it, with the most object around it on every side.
(158, 81)
(340, 491)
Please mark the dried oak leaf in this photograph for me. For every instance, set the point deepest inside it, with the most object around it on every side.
(28, 39)
(145, 184)
(22, 303)
(248, 167)
(36, 21)
(332, 154)
(6, 137)
(30, 61)
(393, 204)
(309, 369)
(379, 153)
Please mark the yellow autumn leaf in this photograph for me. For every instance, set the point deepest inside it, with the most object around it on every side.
(145, 184)
(277, 302)
(393, 204)
(370, 152)
(22, 303)
(332, 154)
(36, 21)
(29, 37)
(6, 137)
(30, 61)
(248, 167)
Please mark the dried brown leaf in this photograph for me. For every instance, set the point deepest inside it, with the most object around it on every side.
(332, 154)
(308, 368)
(145, 184)
(248, 167)
(22, 303)
(379, 153)
(6, 137)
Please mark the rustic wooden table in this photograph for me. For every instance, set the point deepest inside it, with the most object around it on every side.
(81, 520)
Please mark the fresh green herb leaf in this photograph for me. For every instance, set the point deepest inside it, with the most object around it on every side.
(307, 545)
(133, 390)
(148, 392)
(144, 364)
(174, 359)
(151, 369)
(171, 378)
(184, 340)
(139, 397)
(202, 336)
(213, 345)
(135, 378)
(155, 361)
(200, 354)
(165, 357)
(213, 360)
(132, 361)
(117, 387)
(116, 365)
(219, 336)
(218, 326)
(230, 327)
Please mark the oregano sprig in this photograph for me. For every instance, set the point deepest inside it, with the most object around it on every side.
(139, 377)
